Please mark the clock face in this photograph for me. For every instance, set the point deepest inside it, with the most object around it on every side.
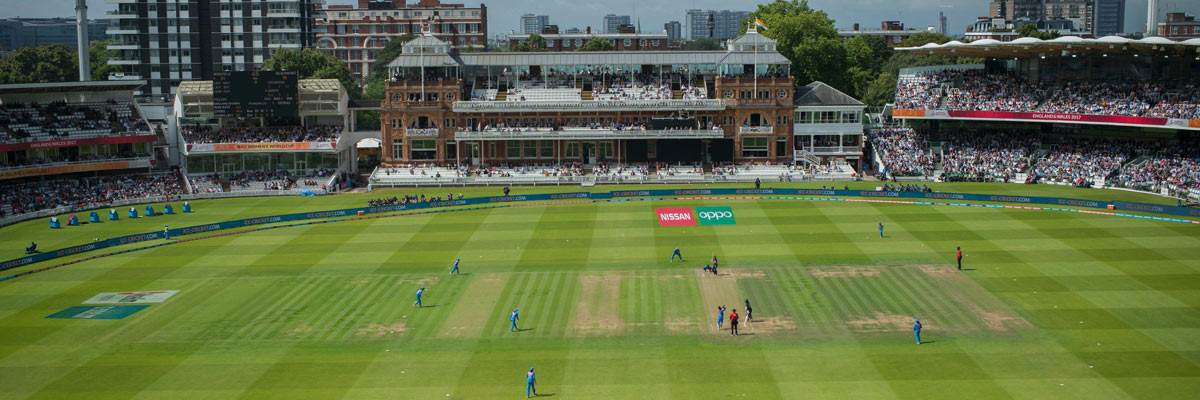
(728, 94)
(782, 93)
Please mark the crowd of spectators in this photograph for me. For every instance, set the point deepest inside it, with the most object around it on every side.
(262, 180)
(977, 90)
(1083, 162)
(1183, 103)
(919, 92)
(60, 120)
(83, 193)
(207, 134)
(1174, 173)
(903, 151)
(1101, 98)
(410, 199)
(987, 156)
(508, 171)
(904, 187)
(990, 155)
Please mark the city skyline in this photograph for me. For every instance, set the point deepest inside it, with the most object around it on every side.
(504, 15)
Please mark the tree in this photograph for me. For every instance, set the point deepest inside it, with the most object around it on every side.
(807, 38)
(313, 64)
(882, 90)
(98, 55)
(702, 44)
(387, 54)
(596, 44)
(53, 63)
(1031, 30)
(535, 42)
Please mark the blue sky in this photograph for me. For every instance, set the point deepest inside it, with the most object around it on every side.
(579, 13)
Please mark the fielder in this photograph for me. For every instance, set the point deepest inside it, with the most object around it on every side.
(530, 380)
(454, 269)
(420, 292)
(512, 319)
(917, 329)
(676, 253)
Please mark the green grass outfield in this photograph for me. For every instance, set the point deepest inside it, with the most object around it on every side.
(1054, 305)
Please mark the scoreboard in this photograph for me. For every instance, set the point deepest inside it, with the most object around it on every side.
(256, 94)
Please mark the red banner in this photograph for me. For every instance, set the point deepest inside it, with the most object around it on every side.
(1195, 123)
(1036, 116)
(79, 142)
(675, 216)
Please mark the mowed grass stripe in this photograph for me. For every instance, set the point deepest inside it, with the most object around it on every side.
(472, 310)
(562, 239)
(929, 303)
(684, 310)
(470, 313)
(346, 320)
(42, 344)
(381, 296)
(311, 306)
(793, 291)
(560, 303)
(95, 368)
(497, 322)
(436, 244)
(641, 303)
(268, 308)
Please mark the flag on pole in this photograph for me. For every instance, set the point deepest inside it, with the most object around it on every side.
(760, 25)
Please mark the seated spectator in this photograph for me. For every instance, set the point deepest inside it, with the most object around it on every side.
(206, 134)
(903, 151)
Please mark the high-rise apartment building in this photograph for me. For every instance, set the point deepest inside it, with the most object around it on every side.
(170, 41)
(713, 24)
(531, 24)
(674, 30)
(1110, 17)
(612, 22)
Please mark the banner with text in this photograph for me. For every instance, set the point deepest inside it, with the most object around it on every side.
(675, 216)
(259, 147)
(715, 215)
(50, 144)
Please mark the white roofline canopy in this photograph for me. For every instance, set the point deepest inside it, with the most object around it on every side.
(1032, 46)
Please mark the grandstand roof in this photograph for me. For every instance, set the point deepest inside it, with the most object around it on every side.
(1028, 47)
(820, 94)
(91, 86)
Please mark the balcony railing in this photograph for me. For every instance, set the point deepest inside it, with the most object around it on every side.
(581, 105)
(421, 131)
(591, 134)
(756, 130)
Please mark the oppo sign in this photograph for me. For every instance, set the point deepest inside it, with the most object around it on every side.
(686, 216)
